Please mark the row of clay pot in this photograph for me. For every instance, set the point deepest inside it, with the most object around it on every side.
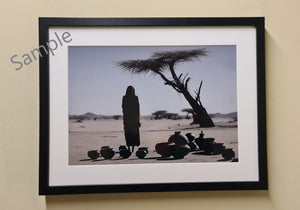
(105, 152)
(108, 153)
(179, 146)
(210, 147)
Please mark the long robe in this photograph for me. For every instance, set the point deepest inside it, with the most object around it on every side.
(131, 119)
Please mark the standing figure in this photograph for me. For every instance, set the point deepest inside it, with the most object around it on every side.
(131, 118)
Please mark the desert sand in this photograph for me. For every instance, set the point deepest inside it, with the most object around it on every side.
(93, 134)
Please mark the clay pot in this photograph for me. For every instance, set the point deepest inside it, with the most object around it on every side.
(201, 135)
(193, 146)
(107, 152)
(200, 144)
(178, 139)
(122, 147)
(125, 153)
(141, 154)
(180, 151)
(163, 149)
(217, 148)
(208, 140)
(172, 147)
(93, 154)
(144, 148)
(190, 137)
(208, 148)
(228, 154)
(199, 141)
(204, 143)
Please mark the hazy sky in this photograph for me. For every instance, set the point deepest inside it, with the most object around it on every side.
(97, 84)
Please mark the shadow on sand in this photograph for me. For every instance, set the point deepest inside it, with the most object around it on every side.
(97, 160)
(159, 158)
(120, 158)
(86, 160)
(232, 160)
(222, 160)
(202, 153)
(92, 160)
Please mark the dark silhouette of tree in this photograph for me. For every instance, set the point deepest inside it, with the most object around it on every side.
(158, 114)
(165, 61)
(117, 117)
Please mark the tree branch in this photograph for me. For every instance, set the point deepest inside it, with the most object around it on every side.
(185, 77)
(168, 82)
(186, 83)
(180, 76)
(197, 92)
(177, 81)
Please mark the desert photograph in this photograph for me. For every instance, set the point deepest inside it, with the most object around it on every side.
(152, 104)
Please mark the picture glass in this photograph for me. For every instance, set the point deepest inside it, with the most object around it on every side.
(98, 77)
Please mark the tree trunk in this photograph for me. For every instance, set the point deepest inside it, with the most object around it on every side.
(200, 115)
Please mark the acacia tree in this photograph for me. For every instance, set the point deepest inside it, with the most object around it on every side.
(162, 62)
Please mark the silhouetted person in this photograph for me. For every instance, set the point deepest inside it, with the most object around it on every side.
(131, 118)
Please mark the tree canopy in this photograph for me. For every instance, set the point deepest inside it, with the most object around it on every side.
(161, 60)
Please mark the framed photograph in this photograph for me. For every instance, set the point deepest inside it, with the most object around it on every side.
(151, 104)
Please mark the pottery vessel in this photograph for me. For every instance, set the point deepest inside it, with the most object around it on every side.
(200, 144)
(93, 154)
(228, 154)
(204, 143)
(141, 154)
(122, 147)
(107, 152)
(201, 135)
(172, 147)
(178, 139)
(208, 148)
(180, 151)
(217, 148)
(125, 153)
(192, 146)
(164, 149)
(208, 140)
(199, 141)
(144, 149)
(190, 137)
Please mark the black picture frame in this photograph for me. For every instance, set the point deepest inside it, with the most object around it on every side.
(44, 168)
